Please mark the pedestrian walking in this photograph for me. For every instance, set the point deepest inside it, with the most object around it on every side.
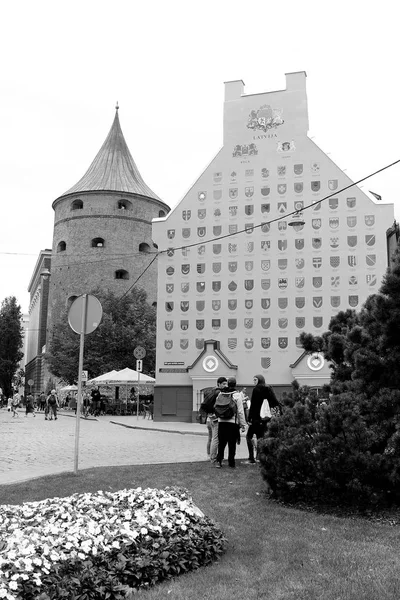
(52, 405)
(207, 407)
(229, 410)
(258, 425)
(29, 406)
(9, 404)
(42, 404)
(15, 404)
(96, 397)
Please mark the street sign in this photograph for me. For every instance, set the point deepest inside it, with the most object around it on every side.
(94, 313)
(85, 375)
(30, 382)
(139, 366)
(139, 352)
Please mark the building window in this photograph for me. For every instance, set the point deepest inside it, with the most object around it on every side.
(124, 205)
(161, 213)
(145, 248)
(62, 246)
(121, 274)
(77, 205)
(98, 243)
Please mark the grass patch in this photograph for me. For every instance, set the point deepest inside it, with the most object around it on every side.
(274, 551)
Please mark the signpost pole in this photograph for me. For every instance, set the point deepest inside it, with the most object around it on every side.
(138, 396)
(79, 397)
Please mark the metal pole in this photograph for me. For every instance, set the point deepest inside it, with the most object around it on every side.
(79, 397)
(138, 396)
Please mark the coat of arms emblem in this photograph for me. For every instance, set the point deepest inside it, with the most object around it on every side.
(282, 264)
(232, 286)
(169, 288)
(317, 282)
(282, 225)
(249, 173)
(265, 208)
(184, 325)
(334, 261)
(334, 242)
(232, 304)
(335, 301)
(315, 167)
(184, 305)
(283, 342)
(217, 248)
(333, 203)
(352, 260)
(369, 220)
(200, 287)
(315, 186)
(186, 214)
(317, 262)
(300, 322)
(265, 190)
(170, 252)
(370, 240)
(184, 344)
(232, 211)
(199, 343)
(299, 243)
(249, 209)
(265, 362)
(232, 323)
(370, 259)
(317, 243)
(281, 170)
(201, 213)
(351, 221)
(265, 303)
(298, 187)
(215, 323)
(316, 223)
(333, 222)
(201, 249)
(317, 206)
(233, 193)
(185, 269)
(170, 271)
(199, 324)
(282, 303)
(371, 279)
(217, 229)
(353, 280)
(265, 118)
(265, 265)
(335, 281)
(216, 286)
(265, 245)
(249, 227)
(216, 305)
(186, 232)
(283, 323)
(353, 301)
(169, 306)
(248, 304)
(217, 177)
(232, 343)
(282, 188)
(265, 284)
(168, 344)
(249, 191)
(332, 184)
(170, 234)
(248, 323)
(265, 227)
(202, 196)
(201, 268)
(200, 305)
(265, 322)
(248, 284)
(248, 343)
(264, 173)
(185, 286)
(265, 343)
(352, 241)
(217, 194)
(282, 245)
(201, 231)
(216, 267)
(317, 322)
(233, 228)
(298, 205)
(299, 282)
(232, 266)
(300, 302)
(249, 246)
(317, 301)
(298, 169)
(282, 283)
(169, 325)
(299, 262)
(351, 202)
(232, 248)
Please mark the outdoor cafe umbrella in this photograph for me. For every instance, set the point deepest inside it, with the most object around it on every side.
(127, 376)
(102, 378)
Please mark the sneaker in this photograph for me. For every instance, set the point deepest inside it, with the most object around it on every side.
(218, 465)
(232, 466)
(250, 462)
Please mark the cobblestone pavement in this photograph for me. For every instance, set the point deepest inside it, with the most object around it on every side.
(32, 447)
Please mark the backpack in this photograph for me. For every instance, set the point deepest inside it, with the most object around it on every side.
(209, 395)
(225, 406)
(52, 400)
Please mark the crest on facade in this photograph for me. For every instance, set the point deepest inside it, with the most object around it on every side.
(169, 325)
(315, 186)
(370, 259)
(333, 222)
(217, 194)
(184, 325)
(317, 322)
(353, 301)
(317, 262)
(282, 263)
(185, 251)
(282, 283)
(249, 209)
(248, 343)
(264, 173)
(185, 269)
(248, 191)
(199, 324)
(169, 306)
(370, 240)
(335, 301)
(265, 322)
(334, 242)
(199, 343)
(232, 323)
(184, 305)
(282, 225)
(265, 118)
(282, 245)
(369, 220)
(265, 303)
(232, 343)
(316, 223)
(201, 213)
(249, 173)
(333, 184)
(249, 246)
(300, 302)
(286, 146)
(215, 323)
(233, 193)
(168, 344)
(232, 304)
(335, 281)
(217, 176)
(248, 323)
(232, 266)
(265, 343)
(185, 286)
(283, 323)
(282, 342)
(299, 243)
(351, 221)
(351, 202)
(201, 249)
(170, 271)
(244, 150)
(352, 241)
(248, 265)
(317, 243)
(186, 214)
(300, 322)
(232, 286)
(298, 169)
(200, 286)
(248, 304)
(201, 231)
(233, 176)
(216, 305)
(265, 245)
(281, 170)
(232, 248)
(265, 208)
(265, 362)
(298, 205)
(299, 262)
(317, 205)
(282, 189)
(249, 227)
(201, 268)
(371, 280)
(186, 232)
(282, 303)
(184, 344)
(299, 282)
(265, 227)
(317, 301)
(352, 260)
(265, 265)
(232, 211)
(216, 267)
(169, 288)
(233, 229)
(248, 284)
(353, 280)
(265, 190)
(217, 248)
(217, 229)
(333, 203)
(170, 234)
(315, 167)
(265, 284)
(200, 304)
(202, 196)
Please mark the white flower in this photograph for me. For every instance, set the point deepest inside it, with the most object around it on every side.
(13, 585)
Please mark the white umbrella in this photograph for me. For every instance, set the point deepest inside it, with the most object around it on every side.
(69, 388)
(102, 378)
(128, 376)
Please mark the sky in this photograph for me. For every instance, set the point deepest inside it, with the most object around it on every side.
(66, 64)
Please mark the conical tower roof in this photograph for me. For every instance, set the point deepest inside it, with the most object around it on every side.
(113, 169)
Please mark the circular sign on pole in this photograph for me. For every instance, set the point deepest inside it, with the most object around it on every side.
(94, 313)
(30, 382)
(139, 352)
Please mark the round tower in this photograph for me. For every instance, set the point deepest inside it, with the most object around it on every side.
(102, 228)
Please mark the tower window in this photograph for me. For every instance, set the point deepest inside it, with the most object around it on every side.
(62, 246)
(161, 213)
(77, 205)
(98, 242)
(154, 305)
(124, 205)
(145, 248)
(121, 274)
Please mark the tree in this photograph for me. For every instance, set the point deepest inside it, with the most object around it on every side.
(11, 341)
(127, 322)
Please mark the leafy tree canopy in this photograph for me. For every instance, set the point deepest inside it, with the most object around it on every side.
(11, 341)
(127, 322)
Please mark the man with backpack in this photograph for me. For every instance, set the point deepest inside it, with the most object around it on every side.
(228, 408)
(207, 407)
(51, 405)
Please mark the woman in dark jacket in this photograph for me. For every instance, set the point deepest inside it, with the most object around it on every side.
(257, 426)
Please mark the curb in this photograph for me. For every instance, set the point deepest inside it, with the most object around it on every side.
(159, 429)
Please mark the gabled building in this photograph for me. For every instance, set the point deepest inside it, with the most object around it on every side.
(240, 273)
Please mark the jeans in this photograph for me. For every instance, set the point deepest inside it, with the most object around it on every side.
(227, 434)
(212, 442)
(257, 429)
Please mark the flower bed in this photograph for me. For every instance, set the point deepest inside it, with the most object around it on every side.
(102, 545)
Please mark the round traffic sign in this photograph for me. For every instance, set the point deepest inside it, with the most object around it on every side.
(94, 313)
(139, 352)
(30, 382)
